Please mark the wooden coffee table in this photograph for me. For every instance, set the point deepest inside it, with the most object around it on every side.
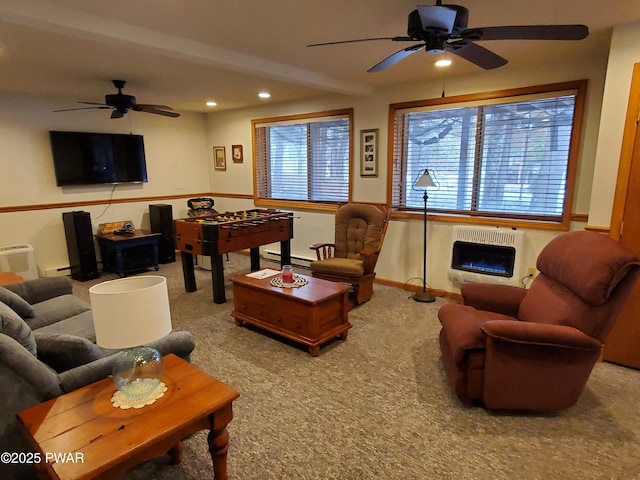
(311, 314)
(92, 439)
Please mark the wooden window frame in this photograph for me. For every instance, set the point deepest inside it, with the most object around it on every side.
(300, 118)
(580, 86)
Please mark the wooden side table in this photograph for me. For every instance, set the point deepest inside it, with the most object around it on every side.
(81, 435)
(141, 244)
(10, 277)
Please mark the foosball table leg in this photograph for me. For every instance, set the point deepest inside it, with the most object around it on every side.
(217, 279)
(255, 258)
(188, 272)
(285, 252)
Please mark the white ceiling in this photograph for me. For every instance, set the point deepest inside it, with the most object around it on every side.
(183, 53)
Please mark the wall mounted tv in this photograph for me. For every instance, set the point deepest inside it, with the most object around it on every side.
(82, 158)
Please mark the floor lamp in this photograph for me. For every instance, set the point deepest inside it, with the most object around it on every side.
(425, 181)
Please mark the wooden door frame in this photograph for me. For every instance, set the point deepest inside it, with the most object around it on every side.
(626, 155)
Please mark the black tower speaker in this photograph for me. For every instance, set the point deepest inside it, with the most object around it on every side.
(161, 219)
(82, 250)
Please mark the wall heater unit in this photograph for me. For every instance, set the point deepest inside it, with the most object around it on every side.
(486, 254)
(19, 259)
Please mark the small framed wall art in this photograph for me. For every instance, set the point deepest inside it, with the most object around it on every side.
(369, 153)
(236, 153)
(219, 158)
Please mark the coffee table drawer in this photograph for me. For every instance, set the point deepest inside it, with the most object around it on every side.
(259, 308)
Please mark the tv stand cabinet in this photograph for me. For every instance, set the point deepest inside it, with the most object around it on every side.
(127, 253)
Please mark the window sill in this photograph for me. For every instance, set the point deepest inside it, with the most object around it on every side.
(296, 205)
(487, 221)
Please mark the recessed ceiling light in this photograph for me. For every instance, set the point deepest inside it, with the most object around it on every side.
(211, 104)
(264, 95)
(443, 62)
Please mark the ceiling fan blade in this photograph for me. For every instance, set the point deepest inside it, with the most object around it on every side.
(395, 58)
(117, 114)
(395, 39)
(532, 32)
(95, 103)
(437, 17)
(152, 109)
(479, 55)
(142, 106)
(97, 107)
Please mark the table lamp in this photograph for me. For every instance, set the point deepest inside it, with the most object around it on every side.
(425, 181)
(127, 314)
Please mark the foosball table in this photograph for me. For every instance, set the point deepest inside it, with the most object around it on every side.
(227, 232)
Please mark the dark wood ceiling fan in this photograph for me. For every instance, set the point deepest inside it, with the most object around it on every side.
(121, 104)
(443, 28)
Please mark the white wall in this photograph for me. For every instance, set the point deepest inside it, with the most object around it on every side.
(176, 152)
(625, 52)
(401, 258)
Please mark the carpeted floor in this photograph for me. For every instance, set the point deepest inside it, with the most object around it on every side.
(376, 406)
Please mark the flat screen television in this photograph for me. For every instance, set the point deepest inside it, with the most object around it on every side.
(83, 158)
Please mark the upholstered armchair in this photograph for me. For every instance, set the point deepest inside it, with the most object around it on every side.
(509, 348)
(352, 257)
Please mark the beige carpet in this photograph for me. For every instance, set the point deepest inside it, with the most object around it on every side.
(376, 406)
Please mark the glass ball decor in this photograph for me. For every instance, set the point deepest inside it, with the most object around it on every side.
(137, 372)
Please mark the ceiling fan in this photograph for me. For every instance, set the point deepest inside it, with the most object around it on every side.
(121, 104)
(443, 28)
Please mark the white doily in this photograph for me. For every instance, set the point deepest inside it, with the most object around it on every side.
(298, 281)
(124, 401)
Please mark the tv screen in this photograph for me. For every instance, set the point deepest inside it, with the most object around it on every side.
(82, 158)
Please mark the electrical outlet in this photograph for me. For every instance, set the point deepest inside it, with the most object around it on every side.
(532, 271)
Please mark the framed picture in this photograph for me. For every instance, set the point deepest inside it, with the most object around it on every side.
(219, 158)
(369, 153)
(236, 153)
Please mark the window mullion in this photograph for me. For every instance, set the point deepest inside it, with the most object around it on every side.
(477, 159)
(310, 163)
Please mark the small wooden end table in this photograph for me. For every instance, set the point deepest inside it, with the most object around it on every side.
(81, 435)
(311, 314)
(10, 277)
(113, 248)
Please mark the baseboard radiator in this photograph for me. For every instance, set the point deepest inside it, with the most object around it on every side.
(19, 259)
(486, 254)
(295, 259)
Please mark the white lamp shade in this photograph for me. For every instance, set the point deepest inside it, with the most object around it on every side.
(425, 181)
(131, 311)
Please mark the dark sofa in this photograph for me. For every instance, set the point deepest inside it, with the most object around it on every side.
(47, 348)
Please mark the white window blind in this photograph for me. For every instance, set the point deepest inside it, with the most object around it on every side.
(304, 159)
(505, 158)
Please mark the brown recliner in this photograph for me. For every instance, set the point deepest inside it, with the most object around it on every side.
(510, 348)
(359, 232)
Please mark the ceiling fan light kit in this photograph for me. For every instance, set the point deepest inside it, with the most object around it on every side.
(444, 28)
(122, 103)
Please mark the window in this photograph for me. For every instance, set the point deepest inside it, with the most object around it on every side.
(509, 155)
(303, 158)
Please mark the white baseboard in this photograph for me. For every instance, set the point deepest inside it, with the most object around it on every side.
(295, 259)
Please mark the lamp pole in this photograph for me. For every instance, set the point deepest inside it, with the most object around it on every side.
(424, 296)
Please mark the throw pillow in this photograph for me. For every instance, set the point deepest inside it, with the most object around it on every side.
(16, 303)
(15, 327)
(62, 351)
